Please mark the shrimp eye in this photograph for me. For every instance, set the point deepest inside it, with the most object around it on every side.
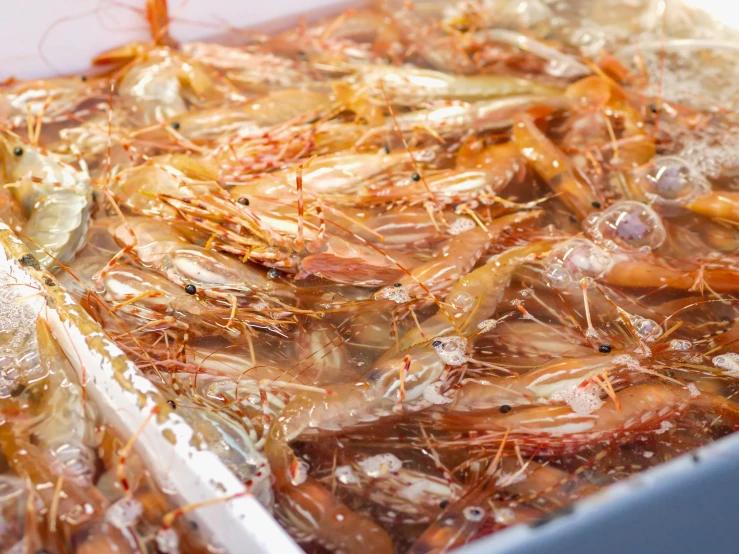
(416, 177)
(83, 78)
(18, 151)
(653, 108)
(505, 408)
(436, 344)
(273, 273)
(191, 289)
(386, 149)
(244, 201)
(176, 125)
(443, 504)
(172, 404)
(596, 205)
(604, 348)
(397, 285)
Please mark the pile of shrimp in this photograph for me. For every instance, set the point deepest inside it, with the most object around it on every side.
(416, 273)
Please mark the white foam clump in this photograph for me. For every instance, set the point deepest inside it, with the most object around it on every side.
(380, 465)
(17, 320)
(693, 390)
(681, 345)
(397, 294)
(728, 362)
(433, 394)
(647, 454)
(167, 541)
(451, 350)
(461, 225)
(504, 516)
(346, 475)
(487, 325)
(664, 427)
(299, 474)
(583, 400)
(124, 512)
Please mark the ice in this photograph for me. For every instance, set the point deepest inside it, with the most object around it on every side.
(124, 512)
(451, 350)
(461, 225)
(346, 475)
(380, 465)
(728, 362)
(17, 321)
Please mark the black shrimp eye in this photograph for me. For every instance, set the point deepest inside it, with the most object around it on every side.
(191, 289)
(18, 151)
(604, 348)
(653, 108)
(475, 512)
(172, 404)
(596, 205)
(176, 125)
(244, 201)
(436, 344)
(386, 149)
(443, 504)
(416, 177)
(398, 285)
(273, 273)
(505, 408)
(83, 78)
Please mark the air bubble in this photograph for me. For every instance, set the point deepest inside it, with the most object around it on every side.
(558, 277)
(583, 400)
(76, 462)
(728, 362)
(579, 258)
(473, 513)
(647, 329)
(346, 475)
(461, 301)
(672, 181)
(451, 350)
(380, 465)
(681, 345)
(461, 225)
(628, 225)
(124, 512)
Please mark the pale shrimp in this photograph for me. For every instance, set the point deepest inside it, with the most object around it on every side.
(550, 383)
(55, 197)
(157, 84)
(195, 268)
(455, 260)
(554, 167)
(50, 100)
(409, 86)
(475, 297)
(553, 430)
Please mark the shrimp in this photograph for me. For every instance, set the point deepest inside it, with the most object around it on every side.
(409, 86)
(555, 430)
(554, 167)
(192, 267)
(55, 197)
(51, 100)
(456, 258)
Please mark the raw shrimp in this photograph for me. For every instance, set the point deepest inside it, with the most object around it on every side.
(553, 430)
(55, 197)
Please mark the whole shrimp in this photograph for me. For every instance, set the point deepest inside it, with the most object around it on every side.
(195, 268)
(55, 197)
(397, 381)
(553, 430)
